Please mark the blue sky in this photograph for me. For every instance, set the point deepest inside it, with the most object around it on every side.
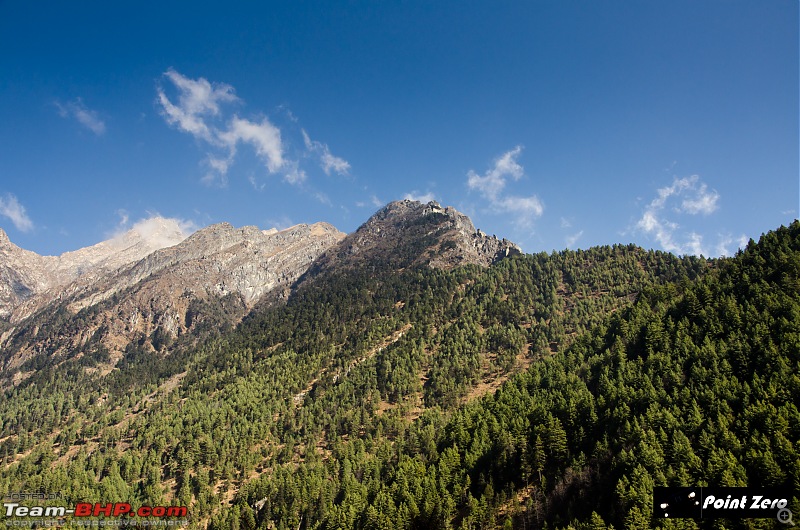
(673, 125)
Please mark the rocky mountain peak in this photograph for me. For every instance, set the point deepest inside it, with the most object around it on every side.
(212, 277)
(25, 275)
(145, 237)
(154, 281)
(405, 233)
(156, 232)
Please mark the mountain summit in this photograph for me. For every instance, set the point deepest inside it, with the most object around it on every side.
(407, 233)
(133, 288)
(25, 274)
(152, 284)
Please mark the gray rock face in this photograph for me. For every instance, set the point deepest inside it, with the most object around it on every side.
(154, 281)
(406, 233)
(217, 261)
(157, 290)
(24, 275)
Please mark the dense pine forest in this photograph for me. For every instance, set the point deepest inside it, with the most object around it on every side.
(546, 391)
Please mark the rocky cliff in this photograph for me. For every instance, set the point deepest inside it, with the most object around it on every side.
(153, 284)
(168, 292)
(407, 233)
(25, 275)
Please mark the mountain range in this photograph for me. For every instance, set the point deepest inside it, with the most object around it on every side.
(415, 373)
(153, 279)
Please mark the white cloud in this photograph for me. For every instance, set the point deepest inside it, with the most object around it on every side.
(11, 208)
(219, 164)
(572, 239)
(157, 228)
(192, 124)
(256, 186)
(694, 198)
(198, 110)
(695, 244)
(723, 245)
(307, 140)
(703, 201)
(492, 184)
(158, 231)
(328, 162)
(294, 174)
(197, 98)
(743, 241)
(525, 205)
(218, 171)
(264, 137)
(507, 164)
(85, 116)
(661, 229)
(415, 196)
(123, 216)
(281, 223)
(199, 113)
(323, 198)
(373, 200)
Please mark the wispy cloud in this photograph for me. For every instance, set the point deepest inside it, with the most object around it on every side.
(264, 137)
(686, 195)
(11, 208)
(79, 111)
(572, 239)
(723, 247)
(416, 196)
(198, 111)
(494, 180)
(218, 171)
(323, 198)
(280, 223)
(198, 107)
(328, 162)
(525, 206)
(256, 185)
(123, 217)
(492, 184)
(703, 201)
(154, 227)
(154, 231)
(197, 100)
(373, 200)
(294, 174)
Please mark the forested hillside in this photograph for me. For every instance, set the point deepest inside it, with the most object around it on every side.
(696, 383)
(546, 390)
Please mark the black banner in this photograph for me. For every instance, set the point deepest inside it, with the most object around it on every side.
(717, 502)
